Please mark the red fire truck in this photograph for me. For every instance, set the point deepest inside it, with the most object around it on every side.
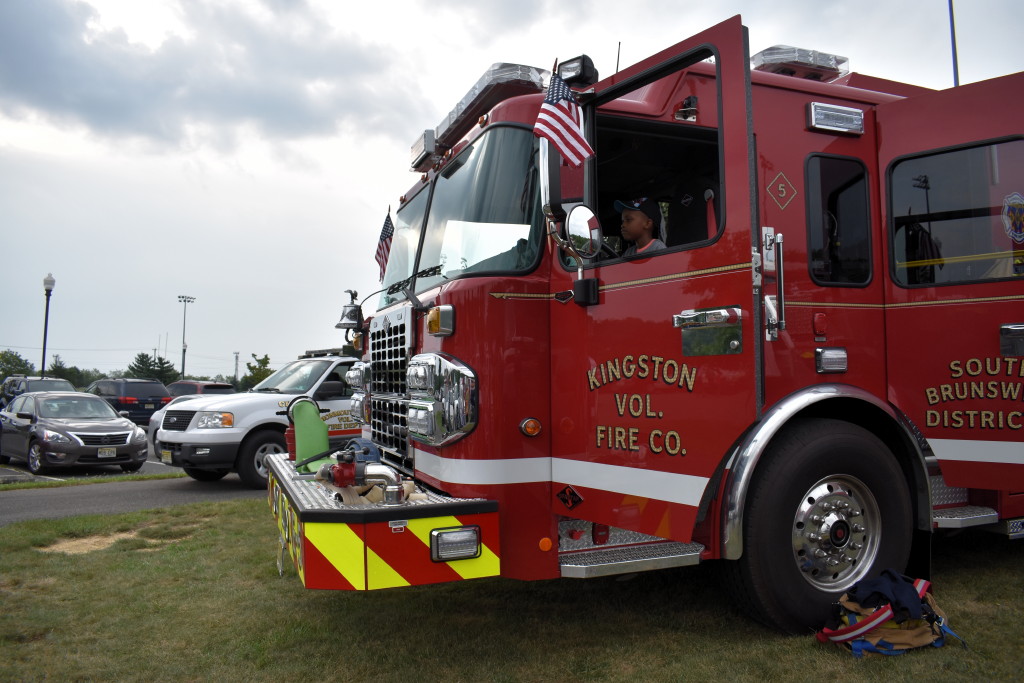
(823, 365)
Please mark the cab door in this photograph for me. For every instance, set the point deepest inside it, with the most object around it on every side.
(654, 382)
(953, 165)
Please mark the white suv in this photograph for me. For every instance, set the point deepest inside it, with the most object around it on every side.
(210, 436)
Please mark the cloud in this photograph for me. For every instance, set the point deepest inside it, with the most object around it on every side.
(278, 68)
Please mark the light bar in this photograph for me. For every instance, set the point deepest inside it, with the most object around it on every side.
(802, 63)
(835, 119)
(500, 82)
(455, 543)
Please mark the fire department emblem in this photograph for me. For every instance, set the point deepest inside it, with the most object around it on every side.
(1013, 217)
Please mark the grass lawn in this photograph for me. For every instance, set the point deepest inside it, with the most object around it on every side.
(193, 593)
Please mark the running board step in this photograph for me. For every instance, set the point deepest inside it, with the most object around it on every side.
(962, 517)
(1013, 528)
(586, 564)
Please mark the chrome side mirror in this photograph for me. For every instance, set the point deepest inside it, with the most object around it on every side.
(583, 240)
(583, 232)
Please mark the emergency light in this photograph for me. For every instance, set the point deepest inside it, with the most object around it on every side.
(801, 63)
(500, 82)
(455, 543)
(834, 118)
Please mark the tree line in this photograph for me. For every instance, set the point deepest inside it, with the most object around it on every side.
(144, 366)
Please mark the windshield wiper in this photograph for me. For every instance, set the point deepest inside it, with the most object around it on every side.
(407, 282)
(272, 390)
(405, 286)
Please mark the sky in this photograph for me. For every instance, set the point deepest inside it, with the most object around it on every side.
(246, 152)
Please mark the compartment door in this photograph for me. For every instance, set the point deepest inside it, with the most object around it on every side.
(953, 167)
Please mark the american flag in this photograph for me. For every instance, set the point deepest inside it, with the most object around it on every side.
(559, 122)
(384, 245)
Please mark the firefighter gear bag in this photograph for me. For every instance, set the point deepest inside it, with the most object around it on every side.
(888, 615)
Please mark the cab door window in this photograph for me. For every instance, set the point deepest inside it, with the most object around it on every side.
(673, 165)
(838, 223)
(957, 216)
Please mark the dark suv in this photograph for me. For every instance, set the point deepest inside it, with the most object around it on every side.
(15, 385)
(139, 397)
(194, 386)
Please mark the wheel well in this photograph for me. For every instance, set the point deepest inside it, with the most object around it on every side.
(896, 438)
(838, 402)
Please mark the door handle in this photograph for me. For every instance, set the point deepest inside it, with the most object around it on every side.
(775, 305)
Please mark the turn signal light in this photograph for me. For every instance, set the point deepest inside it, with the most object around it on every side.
(530, 426)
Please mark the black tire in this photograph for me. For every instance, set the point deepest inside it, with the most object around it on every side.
(132, 467)
(4, 459)
(828, 507)
(205, 475)
(36, 463)
(250, 466)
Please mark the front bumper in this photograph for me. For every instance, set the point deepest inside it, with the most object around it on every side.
(366, 547)
(91, 455)
(200, 456)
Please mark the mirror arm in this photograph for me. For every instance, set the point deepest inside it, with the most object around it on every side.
(551, 184)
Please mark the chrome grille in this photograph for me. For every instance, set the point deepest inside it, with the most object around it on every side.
(119, 439)
(177, 420)
(390, 432)
(390, 340)
(389, 353)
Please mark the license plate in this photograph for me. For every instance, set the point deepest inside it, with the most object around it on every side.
(107, 453)
(150, 406)
(165, 456)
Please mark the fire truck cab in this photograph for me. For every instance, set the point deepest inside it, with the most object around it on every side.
(823, 364)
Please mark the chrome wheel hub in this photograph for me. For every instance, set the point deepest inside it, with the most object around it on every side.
(836, 532)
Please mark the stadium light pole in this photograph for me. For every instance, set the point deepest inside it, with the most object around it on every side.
(186, 300)
(952, 40)
(48, 283)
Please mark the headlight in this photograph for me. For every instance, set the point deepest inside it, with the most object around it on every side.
(210, 420)
(359, 408)
(138, 436)
(50, 436)
(358, 376)
(443, 399)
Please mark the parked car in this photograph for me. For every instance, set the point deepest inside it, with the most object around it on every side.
(140, 397)
(194, 386)
(59, 429)
(15, 385)
(157, 418)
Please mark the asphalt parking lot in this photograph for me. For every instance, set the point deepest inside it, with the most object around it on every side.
(18, 505)
(17, 471)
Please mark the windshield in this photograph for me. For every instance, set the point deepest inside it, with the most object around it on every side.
(295, 378)
(49, 385)
(484, 215)
(76, 408)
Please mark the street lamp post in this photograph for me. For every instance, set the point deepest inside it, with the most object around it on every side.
(186, 300)
(48, 283)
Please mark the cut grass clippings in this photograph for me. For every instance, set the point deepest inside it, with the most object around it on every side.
(98, 479)
(192, 593)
